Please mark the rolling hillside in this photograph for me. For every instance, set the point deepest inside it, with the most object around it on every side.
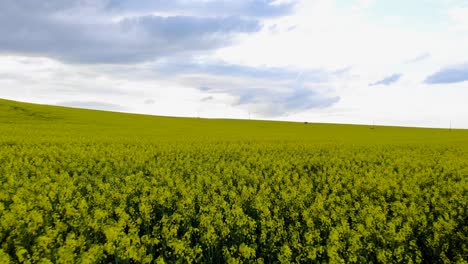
(55, 123)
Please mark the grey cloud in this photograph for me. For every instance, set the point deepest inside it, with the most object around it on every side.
(206, 99)
(236, 70)
(149, 102)
(130, 40)
(204, 89)
(274, 102)
(454, 74)
(273, 91)
(245, 8)
(39, 7)
(93, 105)
(96, 38)
(388, 80)
(342, 71)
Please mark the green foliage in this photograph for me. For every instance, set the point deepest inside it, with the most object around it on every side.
(81, 186)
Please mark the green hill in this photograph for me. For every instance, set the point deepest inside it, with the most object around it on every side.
(43, 122)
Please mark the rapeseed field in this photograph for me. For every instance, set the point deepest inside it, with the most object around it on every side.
(83, 186)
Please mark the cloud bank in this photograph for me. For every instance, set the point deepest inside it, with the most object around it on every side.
(124, 31)
(220, 68)
(270, 102)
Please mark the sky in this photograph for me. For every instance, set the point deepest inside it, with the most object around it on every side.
(398, 62)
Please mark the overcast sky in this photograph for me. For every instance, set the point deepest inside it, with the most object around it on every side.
(393, 62)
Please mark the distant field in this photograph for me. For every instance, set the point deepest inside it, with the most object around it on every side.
(53, 123)
(84, 186)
